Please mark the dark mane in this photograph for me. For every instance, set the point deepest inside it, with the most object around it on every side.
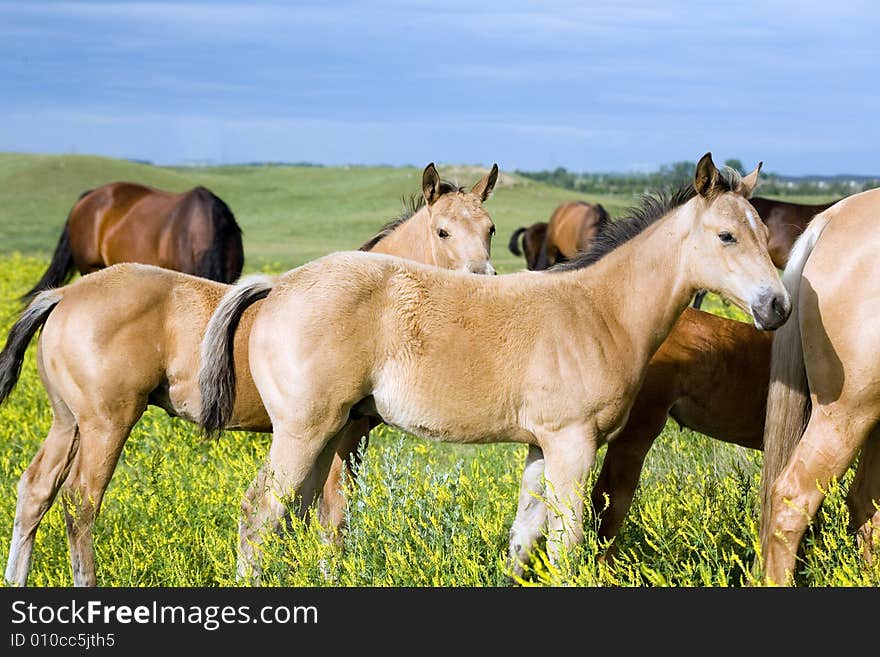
(411, 206)
(652, 208)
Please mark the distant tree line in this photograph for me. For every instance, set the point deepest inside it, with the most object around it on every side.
(671, 176)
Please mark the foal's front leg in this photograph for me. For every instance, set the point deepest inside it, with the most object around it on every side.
(569, 454)
(573, 454)
(531, 513)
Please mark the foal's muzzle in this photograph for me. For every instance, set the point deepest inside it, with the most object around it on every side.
(771, 310)
(482, 267)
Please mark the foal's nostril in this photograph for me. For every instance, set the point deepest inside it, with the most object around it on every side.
(771, 310)
(780, 306)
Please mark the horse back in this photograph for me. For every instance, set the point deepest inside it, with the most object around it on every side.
(360, 324)
(574, 225)
(127, 330)
(129, 222)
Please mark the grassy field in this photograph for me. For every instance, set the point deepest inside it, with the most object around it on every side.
(289, 215)
(421, 514)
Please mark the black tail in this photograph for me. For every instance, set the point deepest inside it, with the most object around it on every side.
(513, 245)
(225, 259)
(20, 336)
(61, 268)
(217, 371)
(698, 299)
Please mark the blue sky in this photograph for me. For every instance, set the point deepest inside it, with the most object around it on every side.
(591, 86)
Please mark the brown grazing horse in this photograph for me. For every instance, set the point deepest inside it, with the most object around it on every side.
(572, 228)
(825, 368)
(785, 221)
(532, 239)
(128, 336)
(193, 232)
(453, 357)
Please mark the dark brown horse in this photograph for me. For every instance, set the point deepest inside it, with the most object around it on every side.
(572, 228)
(532, 239)
(785, 221)
(192, 232)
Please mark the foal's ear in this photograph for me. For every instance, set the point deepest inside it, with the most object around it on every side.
(431, 184)
(749, 182)
(485, 186)
(706, 176)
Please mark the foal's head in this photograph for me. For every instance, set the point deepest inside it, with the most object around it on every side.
(460, 229)
(731, 240)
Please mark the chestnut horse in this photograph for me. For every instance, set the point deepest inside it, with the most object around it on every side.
(709, 375)
(824, 369)
(192, 232)
(128, 336)
(785, 221)
(454, 358)
(571, 229)
(532, 239)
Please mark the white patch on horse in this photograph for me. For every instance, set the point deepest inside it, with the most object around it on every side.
(465, 213)
(14, 550)
(751, 217)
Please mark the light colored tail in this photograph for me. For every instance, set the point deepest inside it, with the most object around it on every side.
(788, 400)
(217, 373)
(20, 336)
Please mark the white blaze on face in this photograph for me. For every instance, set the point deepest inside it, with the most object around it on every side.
(465, 213)
(751, 217)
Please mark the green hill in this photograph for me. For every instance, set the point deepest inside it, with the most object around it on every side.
(289, 214)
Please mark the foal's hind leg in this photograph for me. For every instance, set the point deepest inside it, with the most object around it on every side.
(864, 496)
(345, 459)
(102, 440)
(292, 473)
(37, 488)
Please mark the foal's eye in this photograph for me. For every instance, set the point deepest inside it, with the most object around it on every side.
(727, 238)
(442, 234)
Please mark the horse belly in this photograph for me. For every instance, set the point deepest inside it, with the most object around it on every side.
(421, 408)
(729, 423)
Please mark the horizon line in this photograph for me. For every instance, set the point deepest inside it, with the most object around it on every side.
(208, 163)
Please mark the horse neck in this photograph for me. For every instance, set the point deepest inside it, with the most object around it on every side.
(409, 240)
(643, 285)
